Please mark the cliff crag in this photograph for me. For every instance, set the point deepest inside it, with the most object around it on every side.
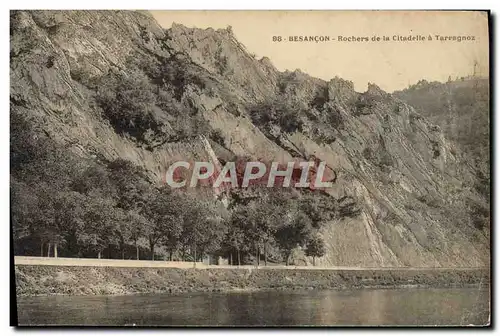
(418, 199)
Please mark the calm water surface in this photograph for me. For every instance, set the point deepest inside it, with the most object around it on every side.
(346, 307)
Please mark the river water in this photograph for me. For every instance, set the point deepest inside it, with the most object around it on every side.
(266, 308)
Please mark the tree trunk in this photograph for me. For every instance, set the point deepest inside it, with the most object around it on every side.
(230, 258)
(194, 255)
(256, 254)
(239, 263)
(314, 261)
(136, 250)
(55, 250)
(41, 248)
(265, 254)
(48, 250)
(152, 248)
(201, 254)
(171, 254)
(287, 261)
(99, 254)
(122, 247)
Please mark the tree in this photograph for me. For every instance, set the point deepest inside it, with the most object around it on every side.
(69, 214)
(249, 221)
(315, 248)
(131, 183)
(99, 198)
(318, 207)
(235, 241)
(24, 211)
(240, 236)
(95, 179)
(153, 233)
(203, 228)
(32, 214)
(265, 217)
(101, 218)
(122, 230)
(132, 192)
(165, 212)
(137, 225)
(257, 215)
(46, 214)
(42, 209)
(293, 232)
(127, 102)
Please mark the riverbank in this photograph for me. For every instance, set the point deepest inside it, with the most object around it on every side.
(36, 280)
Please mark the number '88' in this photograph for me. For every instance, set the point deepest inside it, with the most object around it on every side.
(276, 38)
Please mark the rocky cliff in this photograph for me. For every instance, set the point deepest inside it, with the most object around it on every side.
(178, 86)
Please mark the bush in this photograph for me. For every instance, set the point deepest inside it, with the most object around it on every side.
(127, 102)
(216, 136)
(364, 105)
(278, 112)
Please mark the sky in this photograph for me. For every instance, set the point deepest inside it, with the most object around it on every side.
(392, 64)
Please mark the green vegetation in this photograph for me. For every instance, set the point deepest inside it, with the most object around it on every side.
(315, 248)
(461, 109)
(278, 112)
(147, 101)
(217, 136)
(63, 205)
(127, 102)
(274, 222)
(319, 120)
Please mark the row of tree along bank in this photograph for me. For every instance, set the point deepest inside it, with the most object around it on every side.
(65, 206)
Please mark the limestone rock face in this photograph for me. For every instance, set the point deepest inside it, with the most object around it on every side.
(412, 187)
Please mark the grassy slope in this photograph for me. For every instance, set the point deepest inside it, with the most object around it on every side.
(54, 280)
